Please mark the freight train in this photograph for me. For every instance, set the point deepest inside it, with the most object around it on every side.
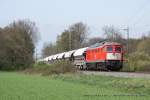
(101, 56)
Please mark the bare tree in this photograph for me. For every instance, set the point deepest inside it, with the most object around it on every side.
(112, 33)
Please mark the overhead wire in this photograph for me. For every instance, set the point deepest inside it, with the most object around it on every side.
(140, 9)
(138, 15)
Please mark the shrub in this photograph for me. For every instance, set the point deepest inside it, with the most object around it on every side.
(138, 61)
(59, 67)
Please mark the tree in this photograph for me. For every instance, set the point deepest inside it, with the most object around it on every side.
(61, 45)
(78, 34)
(49, 49)
(112, 33)
(143, 46)
(72, 38)
(18, 51)
(63, 41)
(28, 27)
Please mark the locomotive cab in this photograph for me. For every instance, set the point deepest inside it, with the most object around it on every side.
(114, 57)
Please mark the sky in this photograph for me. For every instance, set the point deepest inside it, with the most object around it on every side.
(54, 16)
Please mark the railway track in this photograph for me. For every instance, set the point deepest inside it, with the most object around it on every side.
(118, 74)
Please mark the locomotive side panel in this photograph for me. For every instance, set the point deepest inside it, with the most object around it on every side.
(96, 55)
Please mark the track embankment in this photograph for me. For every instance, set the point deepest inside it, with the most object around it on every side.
(118, 74)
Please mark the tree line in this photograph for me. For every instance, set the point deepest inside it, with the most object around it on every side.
(17, 43)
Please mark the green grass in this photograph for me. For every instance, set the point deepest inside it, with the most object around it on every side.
(18, 86)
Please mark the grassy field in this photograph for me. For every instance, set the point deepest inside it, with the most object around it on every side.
(18, 86)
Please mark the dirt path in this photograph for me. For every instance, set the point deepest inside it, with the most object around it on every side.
(118, 74)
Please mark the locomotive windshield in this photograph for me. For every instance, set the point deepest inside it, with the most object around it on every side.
(109, 49)
(118, 49)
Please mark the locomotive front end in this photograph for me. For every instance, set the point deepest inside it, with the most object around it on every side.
(114, 57)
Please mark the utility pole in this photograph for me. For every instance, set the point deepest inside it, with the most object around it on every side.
(127, 30)
(69, 40)
(128, 38)
(36, 54)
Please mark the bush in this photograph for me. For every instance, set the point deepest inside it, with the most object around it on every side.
(138, 61)
(59, 67)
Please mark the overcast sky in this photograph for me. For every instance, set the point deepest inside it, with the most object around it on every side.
(53, 16)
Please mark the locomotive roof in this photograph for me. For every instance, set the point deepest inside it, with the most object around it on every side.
(112, 43)
(104, 43)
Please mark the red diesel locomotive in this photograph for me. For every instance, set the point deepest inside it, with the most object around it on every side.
(107, 55)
